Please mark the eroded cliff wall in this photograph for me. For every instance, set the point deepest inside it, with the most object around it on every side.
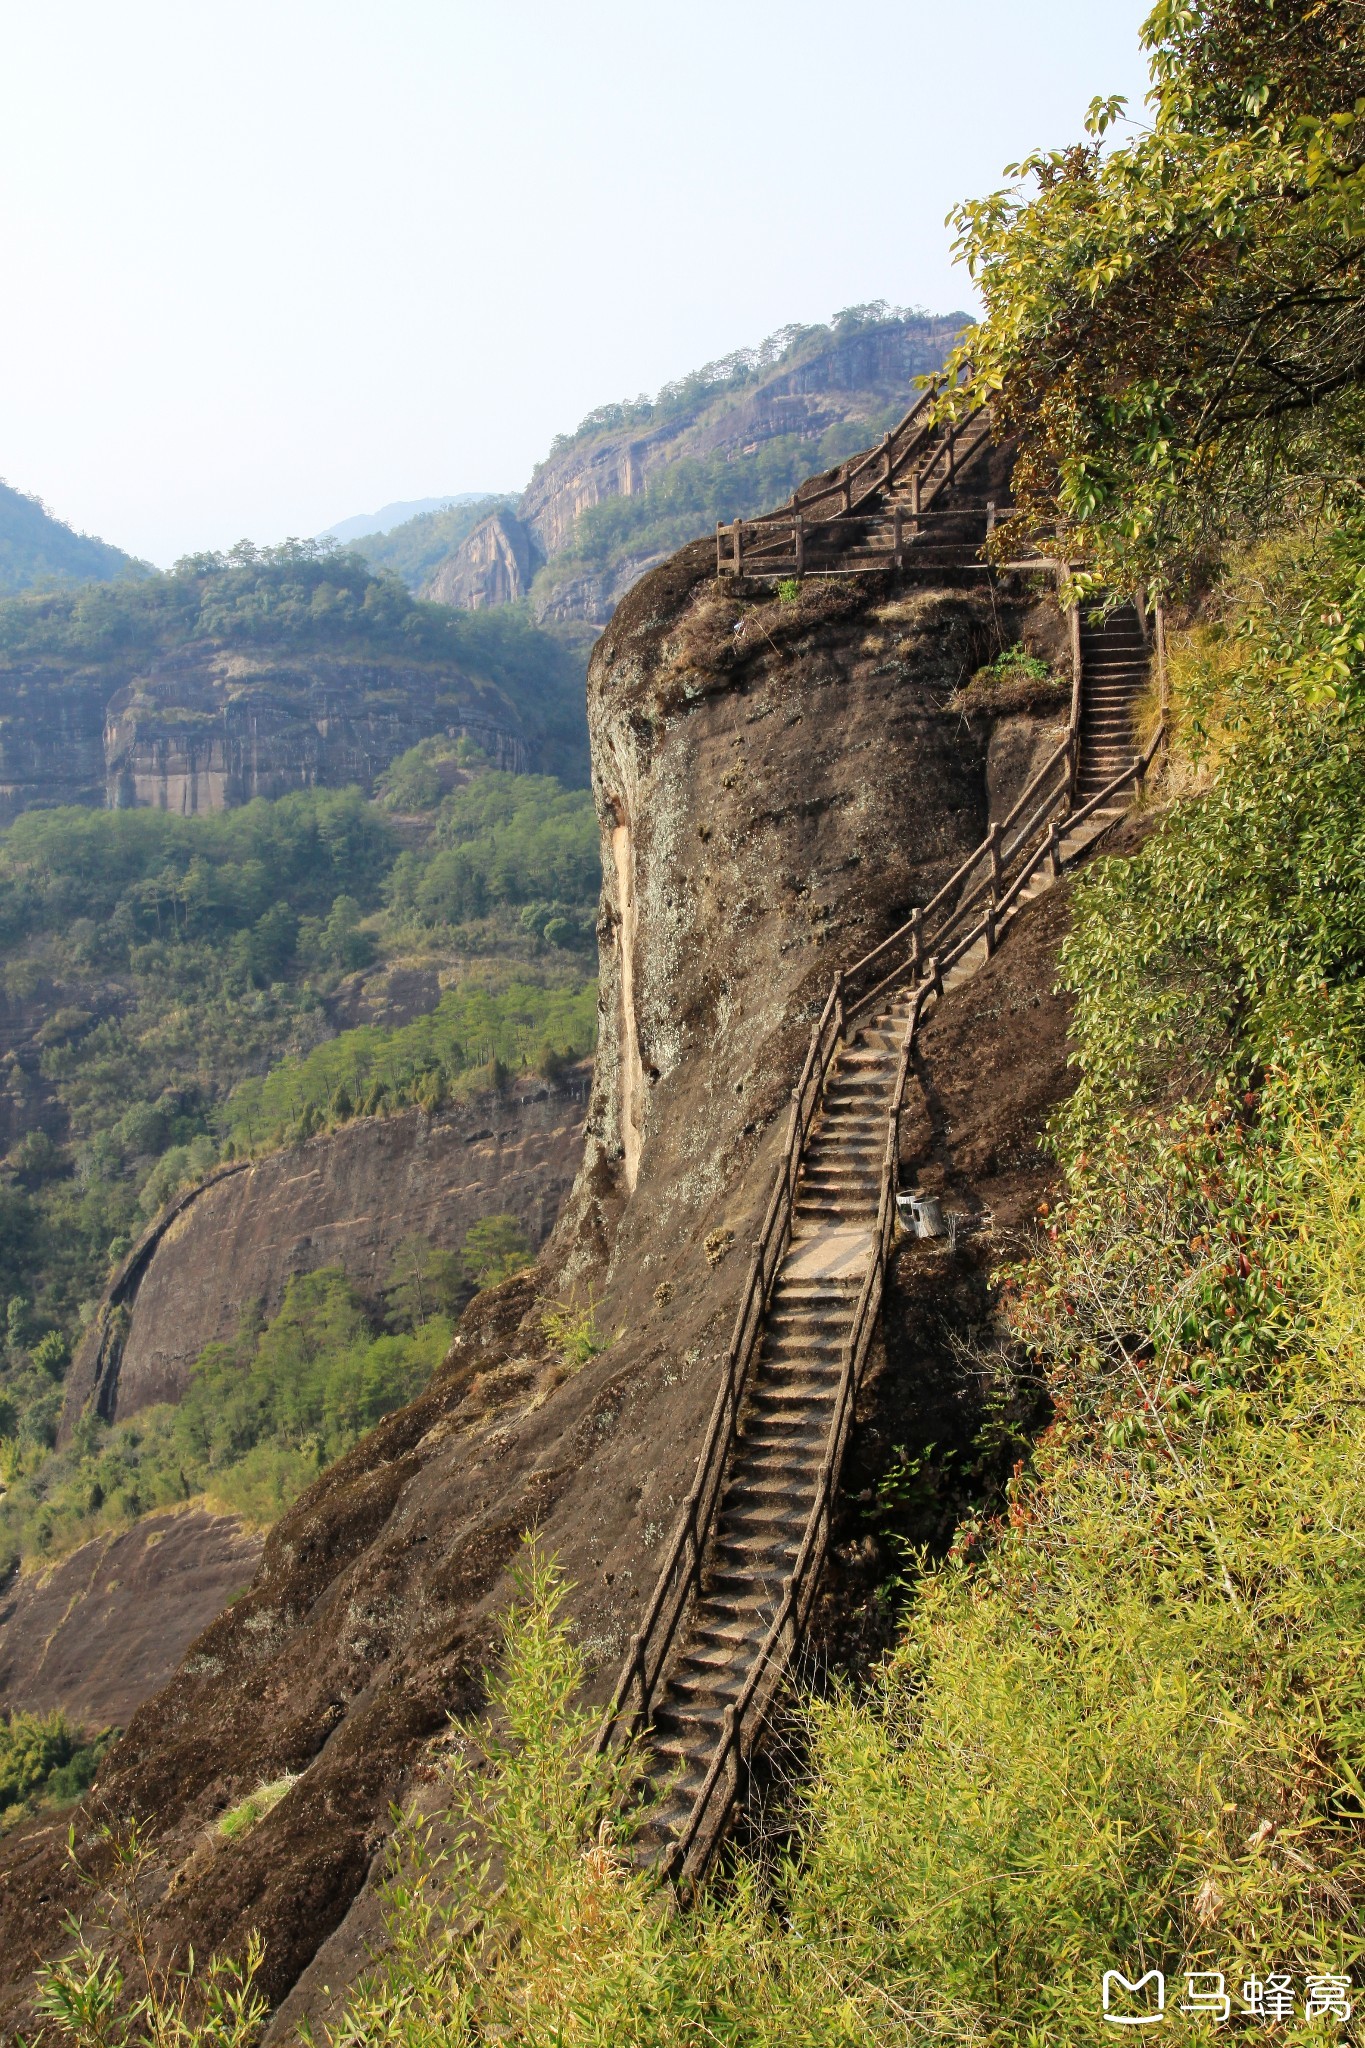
(206, 728)
(854, 375)
(227, 1250)
(777, 784)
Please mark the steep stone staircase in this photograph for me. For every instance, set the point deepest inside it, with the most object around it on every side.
(786, 1422)
(1115, 665)
(738, 1581)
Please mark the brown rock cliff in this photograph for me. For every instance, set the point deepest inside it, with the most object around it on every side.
(348, 1199)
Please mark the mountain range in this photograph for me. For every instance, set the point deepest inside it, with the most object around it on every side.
(362, 524)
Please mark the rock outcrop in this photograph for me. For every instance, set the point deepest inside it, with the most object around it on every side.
(206, 728)
(860, 371)
(778, 784)
(857, 374)
(493, 565)
(227, 1248)
(94, 1635)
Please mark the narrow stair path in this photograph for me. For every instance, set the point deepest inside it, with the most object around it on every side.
(735, 1588)
(786, 1417)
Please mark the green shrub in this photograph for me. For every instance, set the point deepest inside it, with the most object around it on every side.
(571, 1329)
(1014, 665)
(241, 1818)
(44, 1761)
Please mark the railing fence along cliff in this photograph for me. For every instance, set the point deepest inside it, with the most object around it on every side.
(920, 456)
(971, 906)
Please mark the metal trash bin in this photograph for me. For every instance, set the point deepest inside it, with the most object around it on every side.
(921, 1215)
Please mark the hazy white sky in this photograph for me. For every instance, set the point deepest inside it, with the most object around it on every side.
(273, 263)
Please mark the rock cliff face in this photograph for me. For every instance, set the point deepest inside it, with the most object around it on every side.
(98, 1633)
(777, 785)
(854, 378)
(202, 729)
(494, 565)
(855, 375)
(228, 1248)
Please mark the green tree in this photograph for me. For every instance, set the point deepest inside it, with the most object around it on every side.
(424, 1280)
(1175, 327)
(494, 1248)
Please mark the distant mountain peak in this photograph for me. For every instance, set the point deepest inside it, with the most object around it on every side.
(363, 524)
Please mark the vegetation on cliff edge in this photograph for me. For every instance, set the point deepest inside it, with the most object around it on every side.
(1175, 326)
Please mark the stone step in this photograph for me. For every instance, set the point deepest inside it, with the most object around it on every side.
(759, 1525)
(803, 1322)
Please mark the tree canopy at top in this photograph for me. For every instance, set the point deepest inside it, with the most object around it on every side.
(1175, 323)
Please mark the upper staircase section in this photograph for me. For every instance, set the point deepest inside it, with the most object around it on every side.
(878, 510)
(1115, 653)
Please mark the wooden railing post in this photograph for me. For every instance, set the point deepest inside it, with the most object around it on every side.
(990, 517)
(1163, 680)
(952, 452)
(890, 461)
(993, 838)
(738, 547)
(838, 1004)
(897, 538)
(799, 543)
(720, 558)
(1054, 848)
(729, 1742)
(848, 493)
(916, 938)
(914, 501)
(935, 975)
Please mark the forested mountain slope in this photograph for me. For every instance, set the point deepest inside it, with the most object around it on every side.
(41, 552)
(260, 672)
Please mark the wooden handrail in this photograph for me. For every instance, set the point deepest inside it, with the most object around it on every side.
(949, 446)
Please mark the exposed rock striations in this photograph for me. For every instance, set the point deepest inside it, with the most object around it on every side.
(207, 728)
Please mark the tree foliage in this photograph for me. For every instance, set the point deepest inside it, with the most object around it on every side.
(471, 1040)
(43, 1761)
(1175, 325)
(40, 552)
(309, 597)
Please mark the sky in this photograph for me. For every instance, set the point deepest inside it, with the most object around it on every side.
(271, 264)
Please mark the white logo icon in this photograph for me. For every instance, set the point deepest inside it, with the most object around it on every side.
(1119, 1990)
